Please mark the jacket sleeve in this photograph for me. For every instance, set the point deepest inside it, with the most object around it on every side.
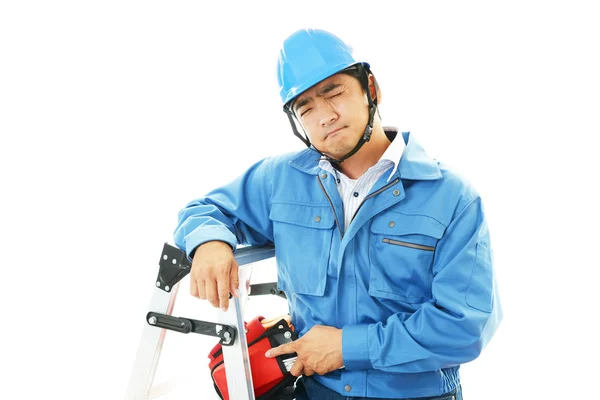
(455, 325)
(237, 213)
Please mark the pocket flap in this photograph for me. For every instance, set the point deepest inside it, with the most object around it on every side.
(310, 216)
(393, 223)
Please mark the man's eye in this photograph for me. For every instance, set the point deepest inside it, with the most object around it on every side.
(303, 113)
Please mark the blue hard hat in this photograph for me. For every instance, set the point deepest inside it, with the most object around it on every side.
(307, 57)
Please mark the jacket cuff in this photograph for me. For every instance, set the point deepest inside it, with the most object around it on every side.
(204, 234)
(355, 347)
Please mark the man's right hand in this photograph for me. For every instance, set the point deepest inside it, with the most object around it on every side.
(214, 274)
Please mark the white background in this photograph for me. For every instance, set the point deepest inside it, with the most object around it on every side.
(114, 114)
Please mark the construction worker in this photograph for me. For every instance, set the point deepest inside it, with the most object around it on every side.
(383, 252)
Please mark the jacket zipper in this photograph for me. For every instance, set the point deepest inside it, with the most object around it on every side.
(373, 194)
(332, 208)
(406, 244)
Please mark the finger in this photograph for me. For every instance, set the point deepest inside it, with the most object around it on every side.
(234, 279)
(308, 371)
(193, 287)
(297, 368)
(212, 296)
(196, 283)
(269, 320)
(276, 351)
(268, 323)
(200, 287)
(223, 292)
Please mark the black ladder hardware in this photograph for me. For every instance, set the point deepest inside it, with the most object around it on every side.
(266, 288)
(225, 333)
(174, 265)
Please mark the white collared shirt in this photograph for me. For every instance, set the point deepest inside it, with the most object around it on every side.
(353, 191)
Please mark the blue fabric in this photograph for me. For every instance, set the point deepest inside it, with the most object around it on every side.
(410, 282)
(307, 388)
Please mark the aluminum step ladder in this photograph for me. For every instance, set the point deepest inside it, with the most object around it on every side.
(174, 266)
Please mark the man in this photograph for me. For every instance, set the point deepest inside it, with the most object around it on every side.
(384, 254)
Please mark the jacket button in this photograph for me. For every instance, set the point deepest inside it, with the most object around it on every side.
(396, 192)
(347, 388)
(392, 224)
(323, 176)
(317, 218)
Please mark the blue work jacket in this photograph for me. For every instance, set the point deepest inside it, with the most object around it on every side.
(410, 282)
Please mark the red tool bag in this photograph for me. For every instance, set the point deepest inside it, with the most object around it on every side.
(270, 376)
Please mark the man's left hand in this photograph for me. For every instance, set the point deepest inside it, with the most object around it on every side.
(319, 351)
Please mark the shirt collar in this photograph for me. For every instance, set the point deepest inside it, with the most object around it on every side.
(411, 160)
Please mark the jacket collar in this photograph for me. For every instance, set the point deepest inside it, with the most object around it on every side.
(415, 164)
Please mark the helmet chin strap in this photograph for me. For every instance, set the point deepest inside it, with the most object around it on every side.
(366, 136)
(364, 139)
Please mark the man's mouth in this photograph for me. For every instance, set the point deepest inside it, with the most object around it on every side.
(334, 131)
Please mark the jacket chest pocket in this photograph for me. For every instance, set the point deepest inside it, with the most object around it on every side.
(401, 252)
(302, 235)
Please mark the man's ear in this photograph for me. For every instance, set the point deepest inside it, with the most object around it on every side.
(374, 89)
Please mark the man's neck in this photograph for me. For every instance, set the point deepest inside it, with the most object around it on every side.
(368, 155)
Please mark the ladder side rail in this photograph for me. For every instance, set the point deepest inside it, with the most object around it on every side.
(150, 347)
(236, 357)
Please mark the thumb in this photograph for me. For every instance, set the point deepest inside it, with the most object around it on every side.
(234, 279)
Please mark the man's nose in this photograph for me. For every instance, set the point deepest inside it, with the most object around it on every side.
(328, 115)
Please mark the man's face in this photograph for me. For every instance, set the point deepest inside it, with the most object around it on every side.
(334, 114)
